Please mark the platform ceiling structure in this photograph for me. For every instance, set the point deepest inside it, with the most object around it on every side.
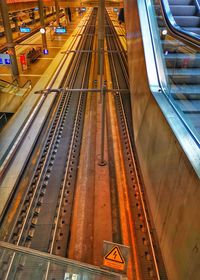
(22, 4)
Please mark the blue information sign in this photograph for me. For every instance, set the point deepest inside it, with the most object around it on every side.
(61, 30)
(7, 61)
(4, 59)
(25, 29)
(45, 51)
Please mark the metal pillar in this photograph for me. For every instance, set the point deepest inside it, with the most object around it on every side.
(57, 12)
(42, 22)
(101, 31)
(9, 38)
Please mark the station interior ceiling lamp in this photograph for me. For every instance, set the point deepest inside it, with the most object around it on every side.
(42, 30)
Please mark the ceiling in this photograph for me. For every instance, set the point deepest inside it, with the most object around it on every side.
(85, 3)
(16, 5)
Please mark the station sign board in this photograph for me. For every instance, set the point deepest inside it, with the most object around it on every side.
(60, 30)
(4, 59)
(25, 29)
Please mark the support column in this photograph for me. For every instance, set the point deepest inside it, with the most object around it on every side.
(101, 31)
(9, 38)
(57, 12)
(42, 22)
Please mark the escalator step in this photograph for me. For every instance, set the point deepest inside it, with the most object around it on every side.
(181, 60)
(187, 21)
(193, 29)
(183, 10)
(191, 92)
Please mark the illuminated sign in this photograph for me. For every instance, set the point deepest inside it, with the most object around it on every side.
(115, 10)
(7, 60)
(83, 9)
(4, 59)
(25, 29)
(60, 30)
(45, 51)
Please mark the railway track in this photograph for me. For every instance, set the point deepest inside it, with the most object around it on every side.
(48, 201)
(147, 264)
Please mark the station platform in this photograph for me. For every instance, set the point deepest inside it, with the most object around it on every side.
(54, 45)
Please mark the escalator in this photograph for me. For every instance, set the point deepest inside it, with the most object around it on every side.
(11, 96)
(4, 118)
(186, 14)
(181, 61)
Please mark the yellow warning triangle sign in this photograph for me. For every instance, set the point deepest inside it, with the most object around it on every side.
(115, 255)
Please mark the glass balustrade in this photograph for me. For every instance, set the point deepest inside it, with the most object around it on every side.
(179, 68)
(23, 263)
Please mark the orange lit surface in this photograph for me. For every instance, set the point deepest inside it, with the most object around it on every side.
(19, 1)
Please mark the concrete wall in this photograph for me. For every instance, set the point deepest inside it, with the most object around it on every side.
(172, 186)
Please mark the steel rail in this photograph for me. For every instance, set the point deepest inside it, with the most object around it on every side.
(43, 170)
(32, 117)
(136, 176)
(68, 165)
(24, 223)
(64, 183)
(137, 270)
(73, 136)
(71, 79)
(120, 49)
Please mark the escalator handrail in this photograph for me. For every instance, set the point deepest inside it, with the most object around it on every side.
(190, 38)
(16, 84)
(198, 6)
